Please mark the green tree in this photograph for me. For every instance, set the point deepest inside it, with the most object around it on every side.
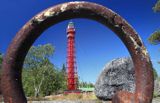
(86, 84)
(63, 74)
(37, 69)
(155, 38)
(155, 74)
(40, 76)
(49, 82)
(63, 69)
(156, 7)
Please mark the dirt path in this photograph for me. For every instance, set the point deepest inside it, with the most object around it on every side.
(67, 102)
(156, 100)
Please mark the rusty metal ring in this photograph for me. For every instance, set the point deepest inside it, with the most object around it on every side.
(12, 65)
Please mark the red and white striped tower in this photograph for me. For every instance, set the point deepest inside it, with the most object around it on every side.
(72, 78)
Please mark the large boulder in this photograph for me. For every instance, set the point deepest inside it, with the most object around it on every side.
(157, 88)
(117, 75)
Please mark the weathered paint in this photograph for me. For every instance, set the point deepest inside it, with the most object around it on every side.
(49, 13)
(12, 65)
(63, 7)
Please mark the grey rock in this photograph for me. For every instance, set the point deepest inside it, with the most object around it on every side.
(117, 75)
(157, 87)
(156, 100)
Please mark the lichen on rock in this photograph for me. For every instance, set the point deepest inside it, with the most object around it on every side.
(117, 75)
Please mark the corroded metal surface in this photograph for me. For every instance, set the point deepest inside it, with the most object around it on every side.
(12, 64)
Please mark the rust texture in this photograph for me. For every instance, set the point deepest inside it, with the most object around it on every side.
(12, 65)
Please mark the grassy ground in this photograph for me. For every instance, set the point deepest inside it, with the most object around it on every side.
(72, 96)
(76, 98)
(85, 97)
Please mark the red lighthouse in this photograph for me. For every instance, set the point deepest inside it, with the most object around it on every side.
(72, 78)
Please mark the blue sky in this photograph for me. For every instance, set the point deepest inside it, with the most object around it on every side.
(95, 44)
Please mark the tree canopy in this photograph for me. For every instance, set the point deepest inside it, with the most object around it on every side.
(155, 38)
(155, 74)
(40, 77)
(156, 7)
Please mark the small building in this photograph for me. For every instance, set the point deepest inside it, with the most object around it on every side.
(87, 89)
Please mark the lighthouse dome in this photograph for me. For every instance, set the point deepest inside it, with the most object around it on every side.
(70, 25)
